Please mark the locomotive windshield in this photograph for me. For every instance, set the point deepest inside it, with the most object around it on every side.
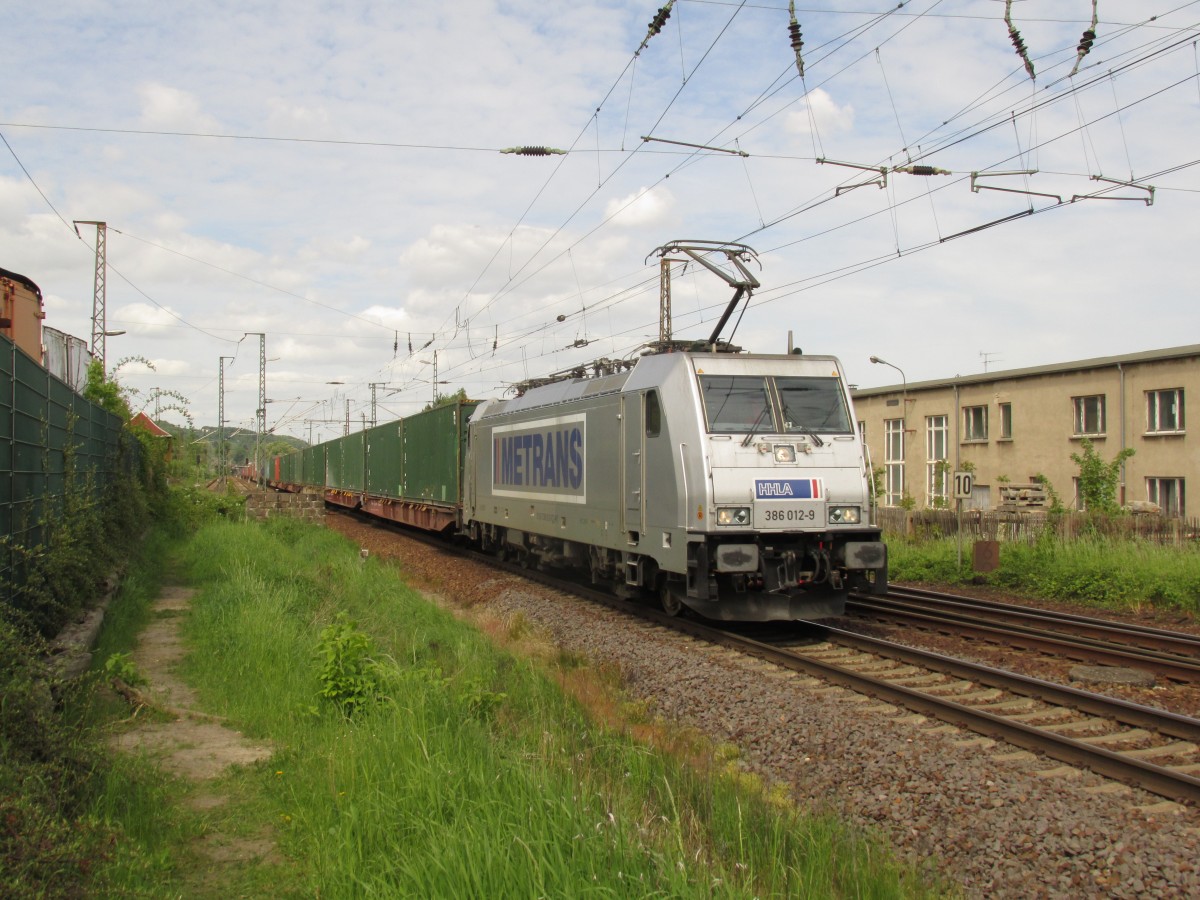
(812, 404)
(743, 404)
(737, 403)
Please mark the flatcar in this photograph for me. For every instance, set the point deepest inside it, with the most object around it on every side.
(731, 484)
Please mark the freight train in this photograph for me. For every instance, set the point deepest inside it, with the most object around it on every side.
(732, 484)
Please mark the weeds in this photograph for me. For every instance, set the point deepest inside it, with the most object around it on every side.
(1096, 571)
(349, 676)
(463, 771)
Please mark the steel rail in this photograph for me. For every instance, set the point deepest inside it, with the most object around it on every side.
(1155, 779)
(1180, 643)
(1084, 649)
(1124, 711)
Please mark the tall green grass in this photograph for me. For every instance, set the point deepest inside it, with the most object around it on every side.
(1099, 572)
(472, 775)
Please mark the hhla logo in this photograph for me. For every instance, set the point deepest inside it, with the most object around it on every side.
(788, 489)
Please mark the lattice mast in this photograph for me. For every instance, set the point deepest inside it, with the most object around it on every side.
(99, 289)
(664, 299)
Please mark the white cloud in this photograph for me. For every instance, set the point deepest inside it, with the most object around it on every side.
(380, 204)
(169, 108)
(821, 110)
(643, 207)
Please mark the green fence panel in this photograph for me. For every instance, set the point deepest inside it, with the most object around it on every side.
(41, 419)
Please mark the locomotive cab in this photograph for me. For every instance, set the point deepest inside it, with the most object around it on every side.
(765, 452)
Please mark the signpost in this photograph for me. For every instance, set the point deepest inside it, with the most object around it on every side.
(964, 483)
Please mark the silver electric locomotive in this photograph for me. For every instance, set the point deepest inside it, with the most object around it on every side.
(733, 484)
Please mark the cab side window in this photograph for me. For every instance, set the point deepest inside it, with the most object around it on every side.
(653, 414)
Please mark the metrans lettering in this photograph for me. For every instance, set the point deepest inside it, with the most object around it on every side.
(788, 489)
(542, 459)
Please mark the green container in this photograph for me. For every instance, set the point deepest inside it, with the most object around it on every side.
(354, 463)
(433, 446)
(333, 462)
(345, 464)
(385, 463)
(312, 465)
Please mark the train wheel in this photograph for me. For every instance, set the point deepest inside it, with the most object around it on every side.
(672, 603)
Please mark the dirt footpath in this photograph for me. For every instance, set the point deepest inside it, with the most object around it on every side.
(192, 745)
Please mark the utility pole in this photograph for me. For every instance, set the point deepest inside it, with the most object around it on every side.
(99, 291)
(664, 299)
(260, 414)
(373, 385)
(346, 429)
(222, 468)
(434, 401)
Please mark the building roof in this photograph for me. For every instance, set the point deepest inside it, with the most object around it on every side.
(13, 276)
(1099, 362)
(143, 421)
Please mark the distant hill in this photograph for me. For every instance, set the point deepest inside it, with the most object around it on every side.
(241, 444)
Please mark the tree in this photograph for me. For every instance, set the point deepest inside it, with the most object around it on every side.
(1098, 479)
(459, 396)
(106, 393)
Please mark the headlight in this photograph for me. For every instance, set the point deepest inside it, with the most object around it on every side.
(844, 515)
(733, 515)
(785, 453)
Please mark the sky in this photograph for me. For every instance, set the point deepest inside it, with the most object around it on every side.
(331, 175)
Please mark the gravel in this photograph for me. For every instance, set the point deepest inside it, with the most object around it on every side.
(1000, 821)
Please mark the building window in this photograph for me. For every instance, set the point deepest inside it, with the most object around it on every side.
(1167, 493)
(1006, 421)
(937, 439)
(1164, 411)
(893, 461)
(1089, 415)
(975, 424)
(1077, 501)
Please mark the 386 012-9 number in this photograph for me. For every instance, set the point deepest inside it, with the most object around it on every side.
(790, 515)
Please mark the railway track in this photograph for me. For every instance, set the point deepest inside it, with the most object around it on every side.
(1138, 745)
(1172, 655)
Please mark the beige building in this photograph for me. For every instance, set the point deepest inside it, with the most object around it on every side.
(1011, 426)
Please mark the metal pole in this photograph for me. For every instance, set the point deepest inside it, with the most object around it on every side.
(260, 414)
(959, 504)
(262, 399)
(222, 463)
(99, 290)
(664, 299)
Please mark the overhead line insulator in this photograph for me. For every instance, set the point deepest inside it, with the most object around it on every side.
(534, 151)
(797, 39)
(921, 170)
(1088, 38)
(1017, 42)
(656, 24)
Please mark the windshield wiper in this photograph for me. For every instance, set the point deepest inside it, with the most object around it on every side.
(754, 427)
(805, 429)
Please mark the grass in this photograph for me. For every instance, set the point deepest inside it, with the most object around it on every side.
(1098, 572)
(466, 770)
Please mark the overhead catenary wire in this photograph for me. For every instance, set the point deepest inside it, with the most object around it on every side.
(441, 334)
